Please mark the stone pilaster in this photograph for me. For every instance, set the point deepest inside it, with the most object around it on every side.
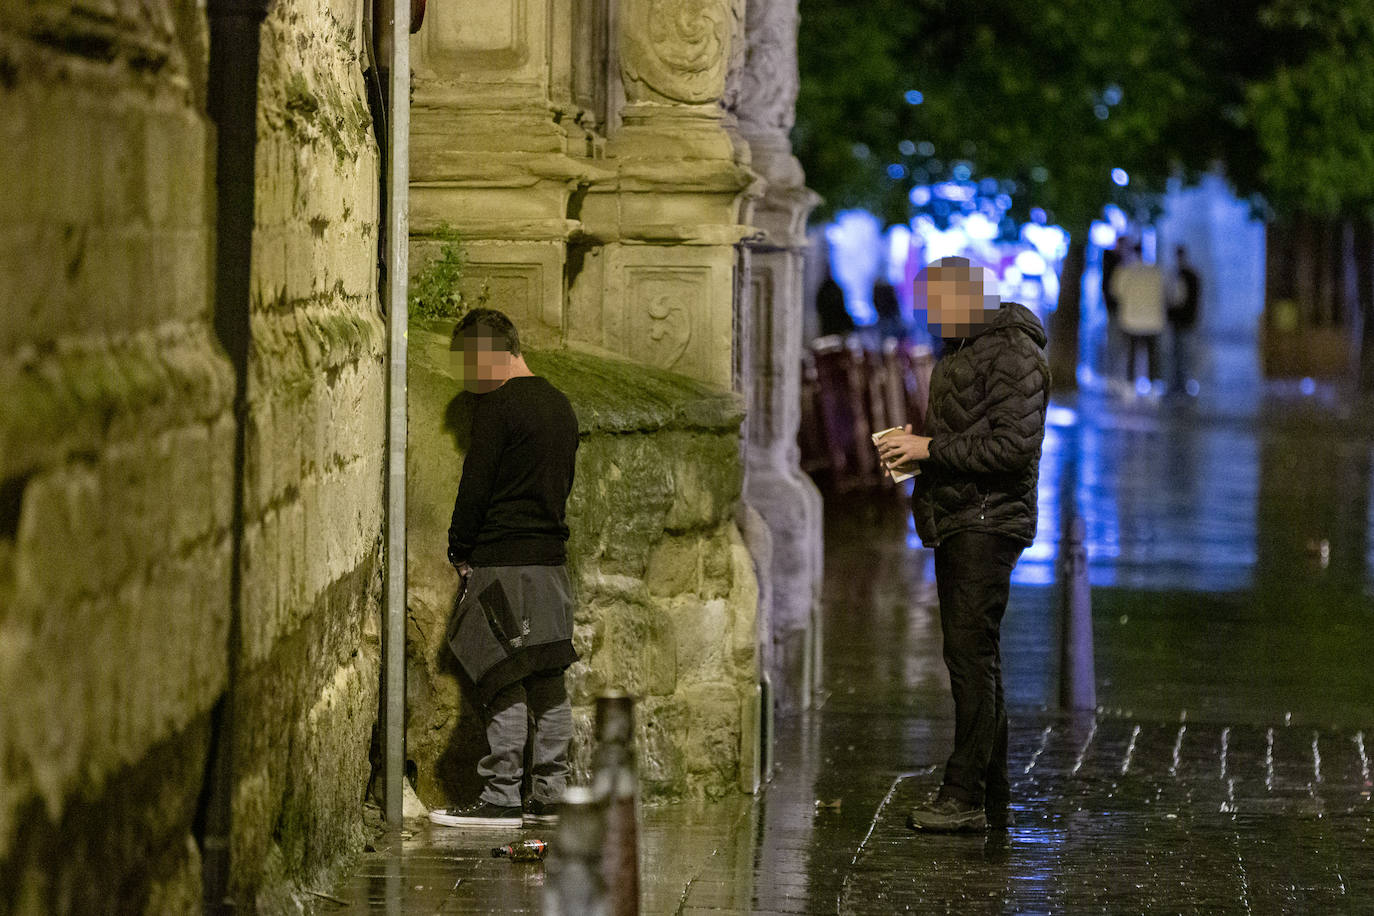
(656, 280)
(501, 145)
(775, 485)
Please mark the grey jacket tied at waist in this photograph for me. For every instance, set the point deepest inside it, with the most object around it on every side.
(511, 622)
(988, 397)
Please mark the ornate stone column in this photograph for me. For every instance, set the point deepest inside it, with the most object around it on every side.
(775, 485)
(655, 276)
(504, 113)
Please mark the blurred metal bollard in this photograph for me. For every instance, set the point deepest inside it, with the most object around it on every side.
(1077, 674)
(615, 784)
(575, 885)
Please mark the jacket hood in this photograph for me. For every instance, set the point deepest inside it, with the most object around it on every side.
(1016, 315)
(1012, 315)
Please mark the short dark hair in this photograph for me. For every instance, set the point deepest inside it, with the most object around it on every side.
(497, 328)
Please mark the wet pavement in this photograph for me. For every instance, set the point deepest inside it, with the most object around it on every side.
(1226, 770)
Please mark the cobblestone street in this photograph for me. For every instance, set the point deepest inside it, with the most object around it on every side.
(1227, 770)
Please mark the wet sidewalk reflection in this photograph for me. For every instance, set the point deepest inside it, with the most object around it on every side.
(1228, 770)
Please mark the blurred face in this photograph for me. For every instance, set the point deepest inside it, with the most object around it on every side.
(479, 364)
(956, 299)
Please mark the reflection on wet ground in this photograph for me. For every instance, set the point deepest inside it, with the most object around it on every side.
(1228, 769)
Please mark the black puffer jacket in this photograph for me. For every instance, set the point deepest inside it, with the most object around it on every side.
(986, 420)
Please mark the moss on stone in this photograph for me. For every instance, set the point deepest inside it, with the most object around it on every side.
(613, 395)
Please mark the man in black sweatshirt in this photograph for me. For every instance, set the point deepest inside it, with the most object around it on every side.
(512, 628)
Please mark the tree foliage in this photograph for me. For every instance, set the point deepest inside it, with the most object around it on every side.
(1314, 115)
(1051, 94)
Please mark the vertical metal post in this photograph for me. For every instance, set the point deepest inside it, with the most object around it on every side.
(1077, 674)
(576, 885)
(616, 785)
(397, 63)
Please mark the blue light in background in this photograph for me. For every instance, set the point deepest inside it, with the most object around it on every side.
(896, 171)
(1120, 178)
(914, 97)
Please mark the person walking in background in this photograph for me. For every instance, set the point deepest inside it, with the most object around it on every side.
(1140, 289)
(512, 627)
(1112, 357)
(888, 309)
(830, 308)
(1183, 312)
(975, 503)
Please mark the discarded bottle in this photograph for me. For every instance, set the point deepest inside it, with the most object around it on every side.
(524, 851)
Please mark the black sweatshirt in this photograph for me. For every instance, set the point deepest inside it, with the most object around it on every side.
(516, 478)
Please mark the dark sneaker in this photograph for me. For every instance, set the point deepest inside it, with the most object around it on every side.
(541, 814)
(479, 814)
(945, 815)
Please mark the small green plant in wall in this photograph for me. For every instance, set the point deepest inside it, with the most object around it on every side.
(435, 292)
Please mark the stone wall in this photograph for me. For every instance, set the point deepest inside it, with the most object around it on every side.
(115, 448)
(117, 458)
(315, 452)
(666, 592)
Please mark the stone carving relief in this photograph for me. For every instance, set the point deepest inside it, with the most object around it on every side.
(770, 80)
(661, 332)
(675, 50)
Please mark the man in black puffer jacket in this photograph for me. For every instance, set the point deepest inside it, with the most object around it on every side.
(975, 504)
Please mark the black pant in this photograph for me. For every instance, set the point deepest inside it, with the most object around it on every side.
(1135, 344)
(973, 580)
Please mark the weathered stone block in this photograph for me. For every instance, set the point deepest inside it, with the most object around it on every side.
(703, 636)
(717, 563)
(675, 566)
(710, 746)
(706, 477)
(638, 652)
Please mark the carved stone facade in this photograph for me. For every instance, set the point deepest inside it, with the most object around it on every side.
(590, 157)
(775, 485)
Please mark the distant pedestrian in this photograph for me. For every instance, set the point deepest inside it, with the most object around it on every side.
(1183, 314)
(888, 309)
(1113, 359)
(975, 504)
(512, 627)
(1140, 289)
(831, 310)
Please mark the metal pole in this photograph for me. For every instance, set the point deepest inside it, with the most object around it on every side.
(576, 886)
(397, 62)
(616, 785)
(1077, 675)
(232, 104)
